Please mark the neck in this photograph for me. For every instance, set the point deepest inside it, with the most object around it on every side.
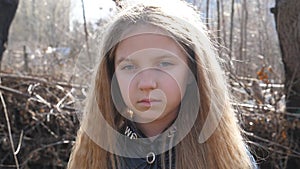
(157, 126)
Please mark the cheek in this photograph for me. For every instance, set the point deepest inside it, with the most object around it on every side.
(123, 85)
(173, 87)
(127, 88)
(176, 83)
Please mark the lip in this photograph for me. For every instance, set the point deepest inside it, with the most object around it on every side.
(147, 102)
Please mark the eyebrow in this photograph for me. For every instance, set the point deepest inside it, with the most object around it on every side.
(122, 59)
(157, 58)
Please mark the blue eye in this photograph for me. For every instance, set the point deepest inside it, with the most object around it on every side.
(165, 64)
(128, 67)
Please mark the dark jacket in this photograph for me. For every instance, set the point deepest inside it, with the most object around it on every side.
(152, 160)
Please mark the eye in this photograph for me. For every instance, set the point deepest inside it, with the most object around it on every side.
(165, 64)
(128, 67)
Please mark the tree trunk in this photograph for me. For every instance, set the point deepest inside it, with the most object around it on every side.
(231, 30)
(207, 14)
(243, 37)
(287, 17)
(8, 10)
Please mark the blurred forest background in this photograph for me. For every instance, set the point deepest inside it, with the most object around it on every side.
(52, 48)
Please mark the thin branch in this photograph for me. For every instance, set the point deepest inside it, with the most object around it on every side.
(40, 79)
(37, 150)
(296, 154)
(20, 143)
(13, 91)
(86, 31)
(9, 130)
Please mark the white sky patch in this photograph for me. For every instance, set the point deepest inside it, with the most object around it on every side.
(94, 10)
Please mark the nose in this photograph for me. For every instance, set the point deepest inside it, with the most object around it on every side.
(147, 80)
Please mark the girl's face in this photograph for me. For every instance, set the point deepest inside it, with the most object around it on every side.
(152, 73)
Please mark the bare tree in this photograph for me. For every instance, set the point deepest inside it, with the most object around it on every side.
(287, 16)
(243, 35)
(223, 22)
(86, 31)
(207, 13)
(231, 29)
(42, 22)
(219, 21)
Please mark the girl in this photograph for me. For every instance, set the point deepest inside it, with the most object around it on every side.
(158, 97)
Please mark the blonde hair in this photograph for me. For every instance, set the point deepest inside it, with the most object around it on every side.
(223, 148)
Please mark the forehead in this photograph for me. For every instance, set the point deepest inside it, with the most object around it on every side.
(145, 38)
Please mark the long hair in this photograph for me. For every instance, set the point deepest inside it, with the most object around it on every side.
(215, 139)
